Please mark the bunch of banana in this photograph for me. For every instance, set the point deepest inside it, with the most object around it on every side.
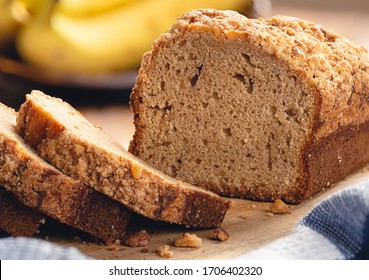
(94, 36)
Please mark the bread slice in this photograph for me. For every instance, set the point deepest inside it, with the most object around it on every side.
(42, 187)
(252, 108)
(62, 136)
(17, 219)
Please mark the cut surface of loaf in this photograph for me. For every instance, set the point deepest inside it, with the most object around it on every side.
(252, 108)
(62, 136)
(42, 187)
(17, 219)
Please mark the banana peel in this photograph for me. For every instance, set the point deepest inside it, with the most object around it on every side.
(108, 42)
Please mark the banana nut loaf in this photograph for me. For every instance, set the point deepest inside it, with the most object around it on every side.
(42, 187)
(62, 136)
(17, 219)
(252, 108)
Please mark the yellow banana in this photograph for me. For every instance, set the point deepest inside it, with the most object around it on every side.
(107, 42)
(38, 44)
(84, 8)
(120, 37)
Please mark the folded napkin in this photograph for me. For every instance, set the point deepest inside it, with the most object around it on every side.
(337, 228)
(22, 248)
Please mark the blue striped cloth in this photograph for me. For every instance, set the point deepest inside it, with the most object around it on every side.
(22, 248)
(337, 228)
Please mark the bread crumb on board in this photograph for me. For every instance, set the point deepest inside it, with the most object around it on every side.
(219, 234)
(112, 248)
(188, 240)
(244, 215)
(138, 239)
(164, 251)
(279, 207)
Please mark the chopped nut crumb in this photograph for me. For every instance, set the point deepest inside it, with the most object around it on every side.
(163, 251)
(188, 240)
(117, 242)
(139, 239)
(220, 234)
(244, 215)
(112, 248)
(297, 51)
(270, 214)
(279, 207)
(253, 206)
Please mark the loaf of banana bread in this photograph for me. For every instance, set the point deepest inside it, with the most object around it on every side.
(252, 108)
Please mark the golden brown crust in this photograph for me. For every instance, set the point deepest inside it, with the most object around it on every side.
(143, 190)
(17, 219)
(40, 186)
(344, 151)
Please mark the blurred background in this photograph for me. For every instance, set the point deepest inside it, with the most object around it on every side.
(88, 51)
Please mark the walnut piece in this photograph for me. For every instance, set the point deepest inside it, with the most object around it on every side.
(188, 240)
(220, 234)
(279, 207)
(163, 251)
(139, 239)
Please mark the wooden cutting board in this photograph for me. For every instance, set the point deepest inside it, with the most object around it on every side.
(248, 223)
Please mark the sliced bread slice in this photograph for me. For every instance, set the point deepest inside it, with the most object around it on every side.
(42, 187)
(63, 137)
(17, 219)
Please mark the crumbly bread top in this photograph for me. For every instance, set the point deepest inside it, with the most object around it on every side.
(336, 70)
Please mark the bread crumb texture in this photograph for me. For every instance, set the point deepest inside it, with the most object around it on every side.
(164, 251)
(138, 239)
(188, 240)
(279, 207)
(220, 234)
